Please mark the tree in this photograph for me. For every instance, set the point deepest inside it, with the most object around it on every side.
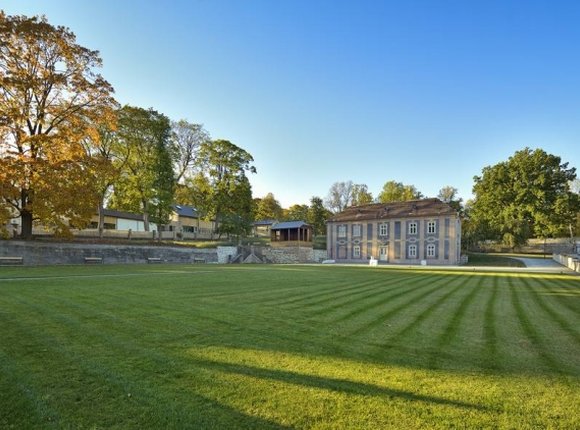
(146, 183)
(51, 100)
(186, 141)
(297, 213)
(448, 194)
(398, 192)
(317, 215)
(528, 195)
(268, 208)
(361, 195)
(225, 193)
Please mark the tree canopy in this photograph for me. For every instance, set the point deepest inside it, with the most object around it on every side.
(527, 195)
(51, 101)
(268, 208)
(146, 183)
(222, 191)
(398, 192)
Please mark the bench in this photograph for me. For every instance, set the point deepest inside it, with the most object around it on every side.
(93, 260)
(154, 260)
(198, 260)
(10, 261)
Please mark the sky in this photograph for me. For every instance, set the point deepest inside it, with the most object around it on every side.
(426, 93)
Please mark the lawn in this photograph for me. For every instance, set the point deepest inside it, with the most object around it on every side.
(323, 347)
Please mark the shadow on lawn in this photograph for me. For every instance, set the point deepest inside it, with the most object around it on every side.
(338, 385)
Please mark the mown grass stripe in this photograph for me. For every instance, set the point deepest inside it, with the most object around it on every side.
(379, 288)
(431, 307)
(555, 316)
(489, 329)
(552, 287)
(452, 329)
(382, 317)
(529, 330)
(382, 299)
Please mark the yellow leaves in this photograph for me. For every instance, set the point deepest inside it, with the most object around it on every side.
(53, 104)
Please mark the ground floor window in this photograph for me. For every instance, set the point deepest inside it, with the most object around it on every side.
(412, 251)
(431, 250)
(356, 251)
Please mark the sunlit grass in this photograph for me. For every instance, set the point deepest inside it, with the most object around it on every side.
(287, 347)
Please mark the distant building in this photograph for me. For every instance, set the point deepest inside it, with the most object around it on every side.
(187, 221)
(263, 227)
(120, 220)
(291, 233)
(424, 231)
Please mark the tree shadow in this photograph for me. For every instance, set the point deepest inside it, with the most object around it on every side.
(331, 384)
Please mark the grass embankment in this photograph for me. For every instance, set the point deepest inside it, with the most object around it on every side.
(287, 347)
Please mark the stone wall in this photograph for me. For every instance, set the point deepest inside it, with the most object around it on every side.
(293, 255)
(570, 261)
(49, 253)
(39, 253)
(226, 254)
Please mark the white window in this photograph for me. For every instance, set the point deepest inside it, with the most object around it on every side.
(342, 231)
(412, 251)
(412, 228)
(357, 230)
(356, 251)
(431, 227)
(383, 229)
(431, 250)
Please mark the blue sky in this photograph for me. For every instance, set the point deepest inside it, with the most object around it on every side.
(422, 92)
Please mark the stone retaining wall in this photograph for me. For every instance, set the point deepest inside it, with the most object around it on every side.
(40, 253)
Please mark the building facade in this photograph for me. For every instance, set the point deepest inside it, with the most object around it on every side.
(424, 231)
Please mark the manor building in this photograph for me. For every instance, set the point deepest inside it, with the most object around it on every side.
(424, 231)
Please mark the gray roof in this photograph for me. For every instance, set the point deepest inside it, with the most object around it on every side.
(289, 224)
(186, 211)
(265, 222)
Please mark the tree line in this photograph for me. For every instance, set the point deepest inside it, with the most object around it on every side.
(67, 148)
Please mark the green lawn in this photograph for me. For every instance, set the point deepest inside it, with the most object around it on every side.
(325, 347)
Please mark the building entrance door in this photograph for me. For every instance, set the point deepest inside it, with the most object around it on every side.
(384, 253)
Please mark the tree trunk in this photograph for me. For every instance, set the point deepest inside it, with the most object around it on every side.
(101, 225)
(26, 227)
(145, 215)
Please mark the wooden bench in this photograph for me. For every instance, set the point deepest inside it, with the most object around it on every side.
(198, 260)
(154, 260)
(93, 260)
(11, 261)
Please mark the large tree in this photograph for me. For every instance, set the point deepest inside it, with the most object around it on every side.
(317, 215)
(187, 139)
(222, 191)
(339, 196)
(449, 195)
(398, 192)
(268, 208)
(296, 213)
(361, 195)
(147, 182)
(527, 195)
(51, 101)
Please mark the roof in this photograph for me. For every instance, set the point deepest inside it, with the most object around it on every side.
(412, 208)
(186, 211)
(289, 224)
(123, 215)
(265, 222)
